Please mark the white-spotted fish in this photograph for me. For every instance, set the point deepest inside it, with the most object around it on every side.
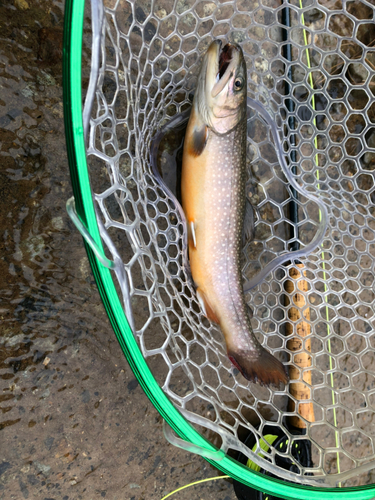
(213, 198)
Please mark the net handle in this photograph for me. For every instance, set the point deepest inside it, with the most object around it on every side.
(300, 345)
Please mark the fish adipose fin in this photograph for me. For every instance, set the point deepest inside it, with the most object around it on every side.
(198, 140)
(205, 305)
(265, 369)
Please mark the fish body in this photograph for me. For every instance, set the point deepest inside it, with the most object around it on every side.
(213, 198)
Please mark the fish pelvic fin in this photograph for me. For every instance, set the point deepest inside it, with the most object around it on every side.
(206, 307)
(191, 234)
(264, 369)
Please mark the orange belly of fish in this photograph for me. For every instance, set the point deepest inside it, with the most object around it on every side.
(194, 189)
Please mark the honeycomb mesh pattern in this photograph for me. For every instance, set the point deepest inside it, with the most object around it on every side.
(322, 102)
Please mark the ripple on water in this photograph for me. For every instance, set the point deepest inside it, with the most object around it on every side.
(46, 288)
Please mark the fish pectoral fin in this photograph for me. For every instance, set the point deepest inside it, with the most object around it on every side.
(248, 224)
(206, 307)
(198, 139)
(191, 234)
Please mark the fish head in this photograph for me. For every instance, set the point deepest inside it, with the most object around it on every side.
(222, 87)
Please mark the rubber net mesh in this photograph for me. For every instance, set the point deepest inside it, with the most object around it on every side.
(322, 105)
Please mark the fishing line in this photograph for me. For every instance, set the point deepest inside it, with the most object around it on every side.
(192, 484)
(311, 83)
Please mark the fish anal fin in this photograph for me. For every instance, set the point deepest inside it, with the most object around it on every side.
(207, 309)
(264, 368)
(198, 140)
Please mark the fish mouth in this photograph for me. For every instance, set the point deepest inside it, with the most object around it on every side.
(217, 101)
(227, 58)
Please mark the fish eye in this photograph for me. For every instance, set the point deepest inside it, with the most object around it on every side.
(238, 83)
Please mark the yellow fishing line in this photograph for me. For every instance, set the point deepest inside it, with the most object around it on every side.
(192, 484)
(324, 267)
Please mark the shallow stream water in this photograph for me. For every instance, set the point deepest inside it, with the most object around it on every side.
(74, 423)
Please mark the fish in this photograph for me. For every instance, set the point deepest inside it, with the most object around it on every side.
(213, 199)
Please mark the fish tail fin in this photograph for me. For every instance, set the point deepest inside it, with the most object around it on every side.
(264, 369)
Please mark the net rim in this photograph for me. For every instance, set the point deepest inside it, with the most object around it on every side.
(74, 131)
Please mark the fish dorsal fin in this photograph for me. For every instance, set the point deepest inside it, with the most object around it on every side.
(198, 139)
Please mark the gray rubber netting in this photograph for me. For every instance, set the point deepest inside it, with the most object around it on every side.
(322, 105)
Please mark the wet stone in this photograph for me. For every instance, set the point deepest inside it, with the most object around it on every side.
(85, 396)
(32, 480)
(50, 45)
(4, 466)
(133, 384)
(49, 442)
(24, 490)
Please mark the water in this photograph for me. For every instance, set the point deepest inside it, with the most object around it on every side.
(74, 423)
